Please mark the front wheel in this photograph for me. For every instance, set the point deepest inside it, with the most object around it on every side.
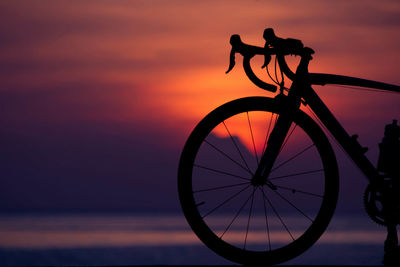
(247, 223)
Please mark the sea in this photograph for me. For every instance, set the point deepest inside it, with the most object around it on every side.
(162, 239)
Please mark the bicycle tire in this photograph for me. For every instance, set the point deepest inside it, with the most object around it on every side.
(206, 224)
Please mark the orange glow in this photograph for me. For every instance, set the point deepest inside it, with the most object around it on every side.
(49, 232)
(239, 126)
(163, 63)
(47, 239)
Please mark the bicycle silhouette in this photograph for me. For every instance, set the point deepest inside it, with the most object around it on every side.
(258, 179)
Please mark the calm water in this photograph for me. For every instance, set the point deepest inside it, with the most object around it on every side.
(163, 239)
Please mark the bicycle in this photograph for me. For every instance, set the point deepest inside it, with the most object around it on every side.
(239, 195)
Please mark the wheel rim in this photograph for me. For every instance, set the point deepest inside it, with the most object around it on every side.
(242, 222)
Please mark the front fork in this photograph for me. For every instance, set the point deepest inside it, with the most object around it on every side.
(288, 105)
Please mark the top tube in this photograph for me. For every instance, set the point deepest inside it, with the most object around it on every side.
(323, 79)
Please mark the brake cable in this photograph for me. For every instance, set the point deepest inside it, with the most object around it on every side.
(276, 80)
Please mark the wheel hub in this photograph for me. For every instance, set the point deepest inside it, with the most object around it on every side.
(261, 181)
(258, 180)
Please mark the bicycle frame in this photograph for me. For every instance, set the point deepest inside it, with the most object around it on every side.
(303, 90)
(347, 142)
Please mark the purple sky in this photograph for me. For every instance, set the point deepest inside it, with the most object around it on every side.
(94, 94)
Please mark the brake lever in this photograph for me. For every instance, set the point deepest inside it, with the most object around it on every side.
(231, 60)
(236, 44)
(267, 57)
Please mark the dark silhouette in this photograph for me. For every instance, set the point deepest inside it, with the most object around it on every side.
(242, 211)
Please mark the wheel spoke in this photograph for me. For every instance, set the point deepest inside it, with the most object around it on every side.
(226, 155)
(276, 119)
(237, 147)
(219, 187)
(252, 137)
(293, 157)
(266, 222)
(225, 201)
(268, 131)
(277, 214)
(295, 174)
(236, 215)
(287, 138)
(298, 191)
(291, 204)
(248, 220)
(221, 172)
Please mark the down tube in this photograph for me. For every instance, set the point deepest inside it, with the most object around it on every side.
(350, 145)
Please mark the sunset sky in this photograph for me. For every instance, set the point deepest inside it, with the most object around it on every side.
(98, 97)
